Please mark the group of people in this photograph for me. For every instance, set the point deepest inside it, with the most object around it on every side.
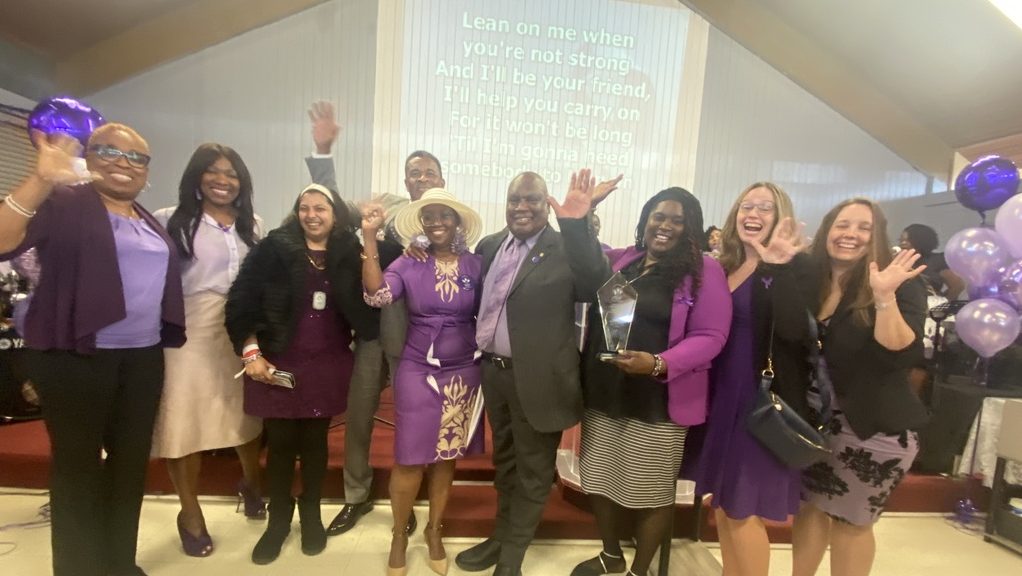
(316, 318)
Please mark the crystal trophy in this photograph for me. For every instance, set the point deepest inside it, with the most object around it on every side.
(617, 300)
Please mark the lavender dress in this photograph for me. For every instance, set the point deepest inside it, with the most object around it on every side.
(744, 478)
(437, 397)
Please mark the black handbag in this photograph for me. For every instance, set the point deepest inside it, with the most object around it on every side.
(778, 427)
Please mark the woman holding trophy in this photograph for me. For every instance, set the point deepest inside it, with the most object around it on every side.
(646, 388)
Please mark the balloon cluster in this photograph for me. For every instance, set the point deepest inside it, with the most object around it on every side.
(990, 260)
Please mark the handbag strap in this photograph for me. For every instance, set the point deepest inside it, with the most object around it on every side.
(766, 377)
(820, 373)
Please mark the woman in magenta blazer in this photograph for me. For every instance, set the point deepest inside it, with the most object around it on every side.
(645, 399)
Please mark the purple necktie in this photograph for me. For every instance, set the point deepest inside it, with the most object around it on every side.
(495, 293)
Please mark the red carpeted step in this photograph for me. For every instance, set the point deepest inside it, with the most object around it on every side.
(24, 462)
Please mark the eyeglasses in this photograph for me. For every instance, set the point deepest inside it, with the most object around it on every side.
(530, 201)
(447, 217)
(111, 154)
(762, 207)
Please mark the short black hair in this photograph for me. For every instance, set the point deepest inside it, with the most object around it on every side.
(427, 156)
(922, 238)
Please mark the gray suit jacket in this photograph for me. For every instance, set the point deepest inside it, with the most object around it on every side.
(393, 318)
(541, 324)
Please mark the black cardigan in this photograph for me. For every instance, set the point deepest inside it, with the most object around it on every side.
(270, 290)
(871, 381)
(782, 293)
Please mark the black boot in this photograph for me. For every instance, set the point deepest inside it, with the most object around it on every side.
(277, 529)
(313, 533)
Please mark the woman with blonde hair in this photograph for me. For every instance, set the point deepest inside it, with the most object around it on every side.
(760, 253)
(871, 308)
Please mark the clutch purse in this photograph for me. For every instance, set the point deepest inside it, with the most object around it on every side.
(779, 428)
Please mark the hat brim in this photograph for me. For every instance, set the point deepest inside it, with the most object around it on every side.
(408, 226)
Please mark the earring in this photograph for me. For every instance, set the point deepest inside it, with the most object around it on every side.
(459, 243)
(198, 194)
(237, 202)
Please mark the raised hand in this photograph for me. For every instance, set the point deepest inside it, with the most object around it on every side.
(579, 199)
(785, 242)
(603, 189)
(55, 161)
(885, 282)
(373, 217)
(324, 126)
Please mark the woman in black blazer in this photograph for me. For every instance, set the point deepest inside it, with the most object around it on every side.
(871, 310)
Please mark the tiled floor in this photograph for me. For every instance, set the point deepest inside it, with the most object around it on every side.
(908, 545)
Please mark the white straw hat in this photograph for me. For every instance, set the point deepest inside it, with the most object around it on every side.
(408, 225)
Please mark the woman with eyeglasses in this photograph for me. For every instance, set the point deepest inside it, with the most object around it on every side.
(290, 315)
(213, 227)
(640, 401)
(759, 250)
(107, 303)
(437, 393)
(871, 308)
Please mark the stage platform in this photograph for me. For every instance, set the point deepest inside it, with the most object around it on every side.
(24, 462)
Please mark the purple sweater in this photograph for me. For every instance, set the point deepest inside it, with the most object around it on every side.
(697, 334)
(80, 290)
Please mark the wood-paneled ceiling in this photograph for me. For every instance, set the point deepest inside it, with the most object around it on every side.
(926, 77)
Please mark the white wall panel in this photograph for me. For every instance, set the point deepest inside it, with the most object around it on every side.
(759, 125)
(252, 93)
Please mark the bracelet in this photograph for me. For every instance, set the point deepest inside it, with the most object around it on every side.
(18, 208)
(885, 305)
(249, 348)
(659, 366)
(246, 360)
(365, 256)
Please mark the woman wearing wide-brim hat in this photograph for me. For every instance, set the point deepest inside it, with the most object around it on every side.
(437, 396)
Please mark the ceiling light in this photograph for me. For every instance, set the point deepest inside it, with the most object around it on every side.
(1011, 8)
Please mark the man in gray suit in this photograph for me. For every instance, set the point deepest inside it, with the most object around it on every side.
(422, 172)
(530, 368)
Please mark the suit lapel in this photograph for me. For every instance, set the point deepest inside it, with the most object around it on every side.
(534, 258)
(489, 250)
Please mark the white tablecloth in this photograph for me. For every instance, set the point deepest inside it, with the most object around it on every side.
(989, 423)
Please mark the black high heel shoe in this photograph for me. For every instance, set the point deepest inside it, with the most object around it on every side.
(255, 508)
(198, 546)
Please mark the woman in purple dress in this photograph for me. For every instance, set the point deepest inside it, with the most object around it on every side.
(758, 251)
(291, 309)
(437, 396)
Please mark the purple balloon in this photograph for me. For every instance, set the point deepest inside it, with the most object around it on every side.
(986, 183)
(987, 326)
(63, 114)
(1007, 287)
(976, 254)
(1009, 224)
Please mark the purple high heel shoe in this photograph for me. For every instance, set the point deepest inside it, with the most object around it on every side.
(255, 508)
(199, 546)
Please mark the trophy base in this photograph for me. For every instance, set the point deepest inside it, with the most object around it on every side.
(608, 356)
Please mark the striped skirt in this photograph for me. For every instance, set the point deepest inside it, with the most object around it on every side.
(633, 463)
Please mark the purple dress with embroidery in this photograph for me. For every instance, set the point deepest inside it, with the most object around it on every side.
(319, 356)
(744, 478)
(437, 398)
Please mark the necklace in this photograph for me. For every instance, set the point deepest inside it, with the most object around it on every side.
(313, 262)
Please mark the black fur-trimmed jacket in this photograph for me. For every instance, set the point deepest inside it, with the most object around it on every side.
(269, 291)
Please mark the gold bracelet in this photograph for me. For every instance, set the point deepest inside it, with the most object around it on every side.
(365, 256)
(659, 367)
(18, 208)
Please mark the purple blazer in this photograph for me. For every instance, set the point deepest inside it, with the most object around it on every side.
(697, 334)
(79, 290)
